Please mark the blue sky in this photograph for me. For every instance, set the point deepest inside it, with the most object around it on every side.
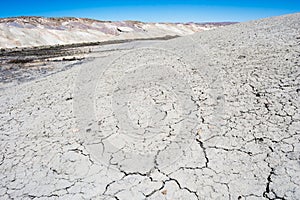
(152, 11)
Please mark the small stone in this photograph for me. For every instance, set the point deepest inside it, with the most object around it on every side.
(164, 192)
(199, 132)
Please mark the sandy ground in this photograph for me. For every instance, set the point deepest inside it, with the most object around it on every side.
(210, 116)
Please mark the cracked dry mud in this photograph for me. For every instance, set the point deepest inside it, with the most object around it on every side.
(210, 116)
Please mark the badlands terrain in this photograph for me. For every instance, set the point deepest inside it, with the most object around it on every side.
(213, 115)
(38, 31)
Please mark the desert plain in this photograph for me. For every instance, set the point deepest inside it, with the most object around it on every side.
(212, 115)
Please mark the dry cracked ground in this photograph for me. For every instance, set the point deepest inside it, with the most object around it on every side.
(211, 116)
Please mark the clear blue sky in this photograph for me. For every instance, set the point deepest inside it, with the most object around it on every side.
(152, 11)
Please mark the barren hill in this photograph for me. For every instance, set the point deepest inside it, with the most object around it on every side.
(37, 31)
